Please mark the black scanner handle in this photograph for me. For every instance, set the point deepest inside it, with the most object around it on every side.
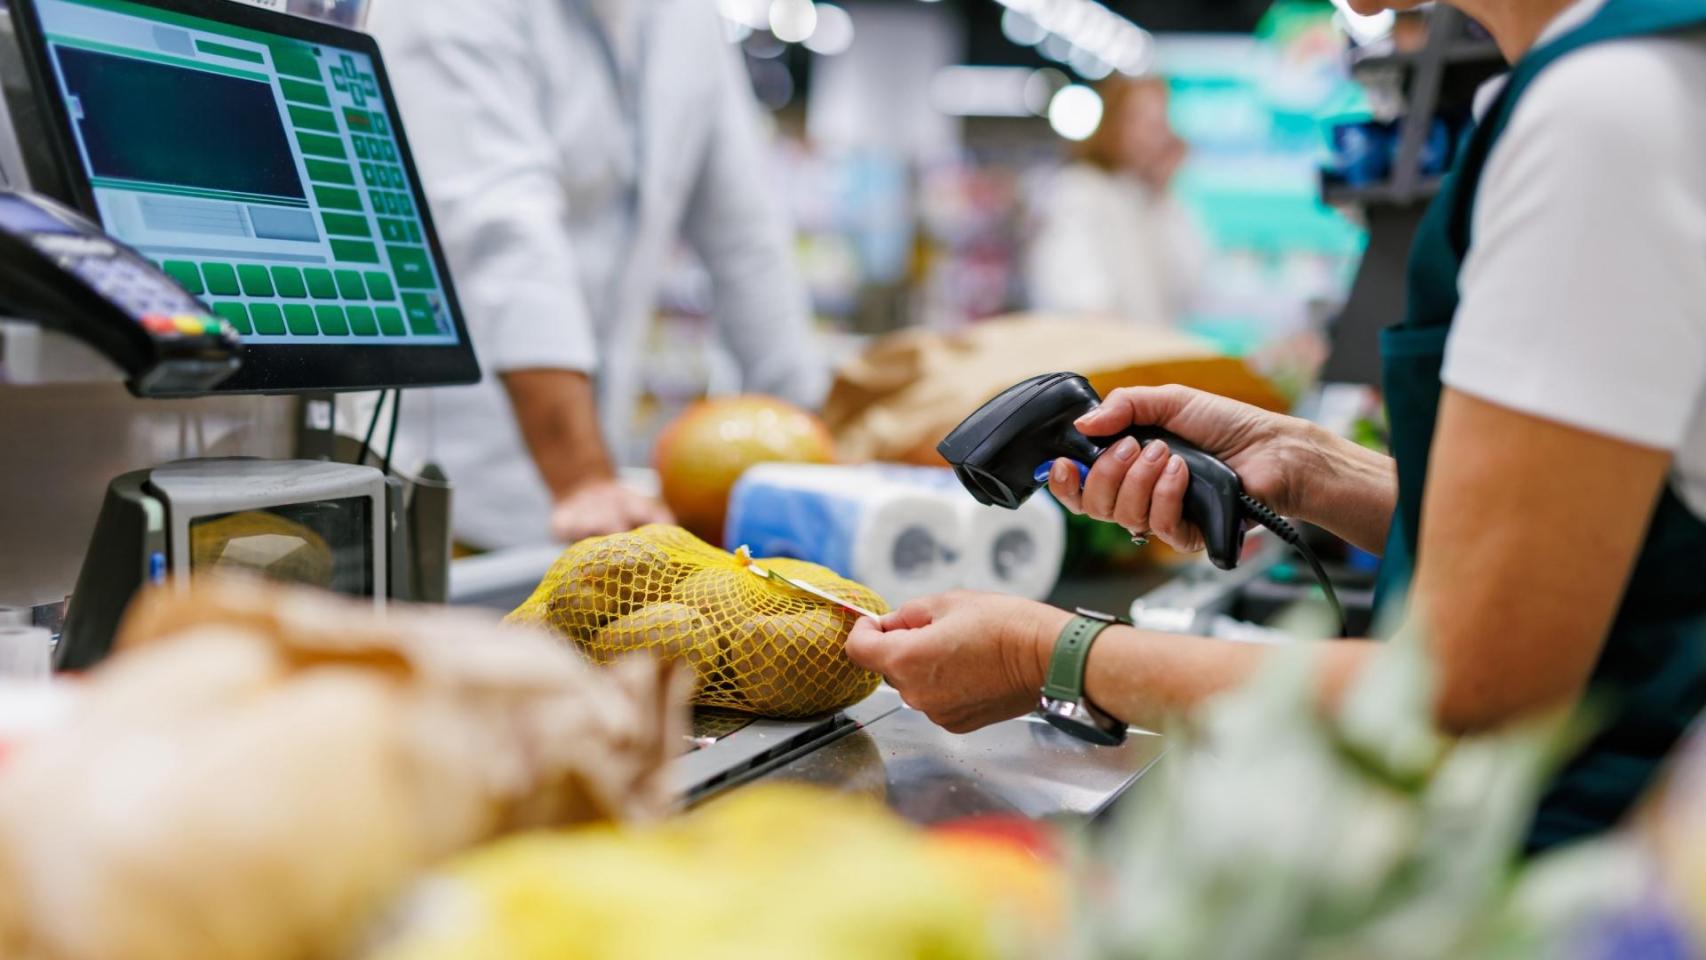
(1213, 500)
(1003, 452)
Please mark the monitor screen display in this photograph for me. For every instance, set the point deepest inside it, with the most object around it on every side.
(259, 169)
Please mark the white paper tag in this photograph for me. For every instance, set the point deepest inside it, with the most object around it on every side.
(279, 5)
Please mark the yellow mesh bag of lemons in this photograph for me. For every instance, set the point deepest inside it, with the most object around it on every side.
(755, 645)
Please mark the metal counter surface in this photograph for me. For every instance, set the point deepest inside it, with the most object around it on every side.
(928, 775)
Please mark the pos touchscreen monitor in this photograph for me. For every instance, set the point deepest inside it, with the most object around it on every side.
(258, 158)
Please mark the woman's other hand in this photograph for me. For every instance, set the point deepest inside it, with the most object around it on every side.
(965, 660)
(1143, 490)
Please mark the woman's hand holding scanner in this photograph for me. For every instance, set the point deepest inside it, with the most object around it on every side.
(965, 660)
(1291, 465)
(996, 454)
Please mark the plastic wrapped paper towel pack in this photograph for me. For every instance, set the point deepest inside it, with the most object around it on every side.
(901, 542)
(906, 532)
(1015, 552)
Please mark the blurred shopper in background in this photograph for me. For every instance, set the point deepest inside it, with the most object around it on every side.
(1114, 240)
(566, 147)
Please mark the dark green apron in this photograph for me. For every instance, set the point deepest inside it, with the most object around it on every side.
(1650, 681)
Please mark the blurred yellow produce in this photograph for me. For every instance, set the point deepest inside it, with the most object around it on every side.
(768, 872)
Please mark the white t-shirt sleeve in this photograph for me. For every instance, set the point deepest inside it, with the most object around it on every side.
(1584, 291)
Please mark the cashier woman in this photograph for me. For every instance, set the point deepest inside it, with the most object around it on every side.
(1546, 501)
(566, 146)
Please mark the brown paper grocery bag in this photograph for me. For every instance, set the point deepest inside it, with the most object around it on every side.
(908, 390)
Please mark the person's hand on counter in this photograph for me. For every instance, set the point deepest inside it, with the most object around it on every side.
(604, 506)
(1294, 466)
(965, 660)
(558, 417)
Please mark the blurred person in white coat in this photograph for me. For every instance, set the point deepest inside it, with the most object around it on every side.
(566, 147)
(1113, 239)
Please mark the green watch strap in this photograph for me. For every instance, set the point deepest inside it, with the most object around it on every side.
(1071, 653)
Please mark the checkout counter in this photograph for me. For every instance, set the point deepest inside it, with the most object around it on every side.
(249, 171)
(883, 748)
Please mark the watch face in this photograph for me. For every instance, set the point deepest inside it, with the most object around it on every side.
(1084, 722)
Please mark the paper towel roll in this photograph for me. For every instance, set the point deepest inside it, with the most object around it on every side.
(1016, 552)
(899, 540)
(1013, 551)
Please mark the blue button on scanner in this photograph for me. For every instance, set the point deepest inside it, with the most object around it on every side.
(1043, 471)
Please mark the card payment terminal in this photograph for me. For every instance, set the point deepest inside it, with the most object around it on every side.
(61, 271)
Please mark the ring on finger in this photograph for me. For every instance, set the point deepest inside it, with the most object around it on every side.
(1139, 538)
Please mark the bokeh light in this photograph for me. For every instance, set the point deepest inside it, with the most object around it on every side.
(834, 33)
(793, 21)
(1075, 112)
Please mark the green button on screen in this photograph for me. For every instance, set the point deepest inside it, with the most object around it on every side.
(350, 285)
(391, 321)
(361, 321)
(421, 315)
(221, 279)
(354, 251)
(256, 281)
(289, 282)
(332, 322)
(379, 285)
(237, 314)
(321, 284)
(269, 319)
(411, 267)
(300, 320)
(186, 274)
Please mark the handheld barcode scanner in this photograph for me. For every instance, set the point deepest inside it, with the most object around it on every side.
(1003, 453)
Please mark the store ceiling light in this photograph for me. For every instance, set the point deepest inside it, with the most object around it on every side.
(1055, 47)
(1087, 64)
(1040, 88)
(1021, 29)
(793, 21)
(834, 33)
(752, 14)
(1365, 29)
(762, 45)
(1090, 26)
(1075, 112)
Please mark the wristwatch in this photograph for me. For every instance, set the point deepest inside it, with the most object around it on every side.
(1064, 704)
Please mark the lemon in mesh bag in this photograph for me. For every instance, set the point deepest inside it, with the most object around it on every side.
(756, 645)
